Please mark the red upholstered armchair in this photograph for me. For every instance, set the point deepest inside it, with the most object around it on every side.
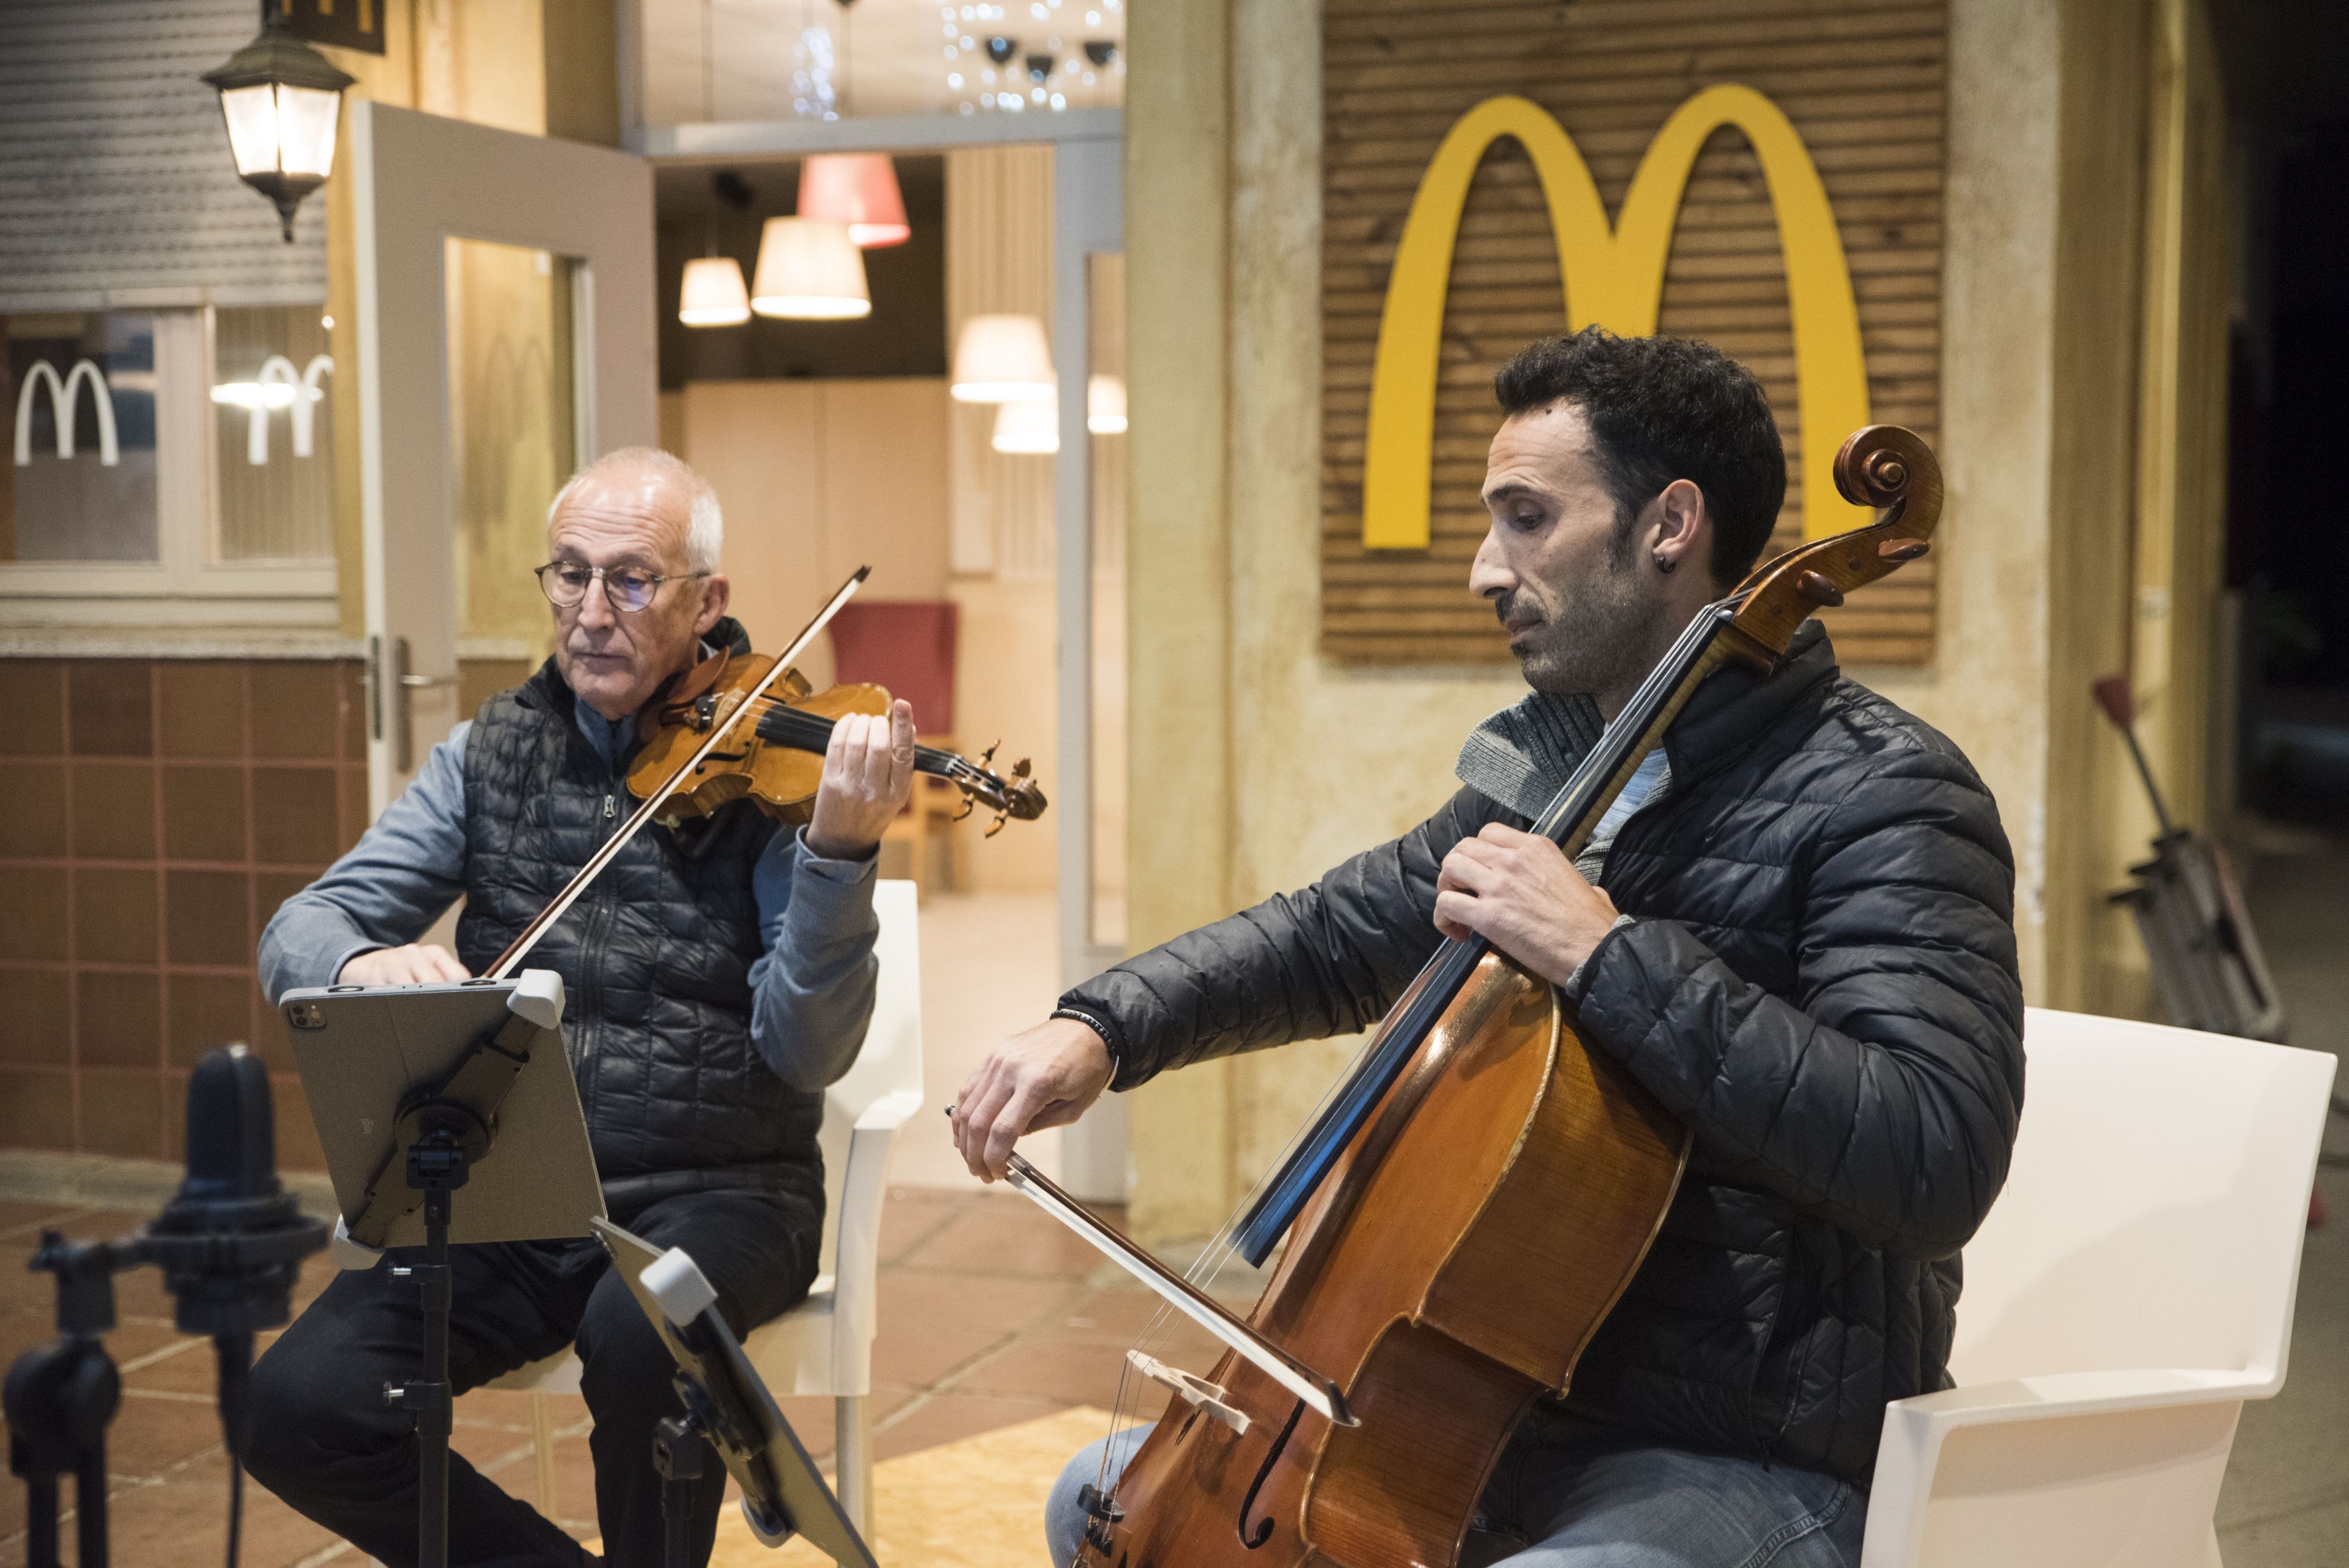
(909, 647)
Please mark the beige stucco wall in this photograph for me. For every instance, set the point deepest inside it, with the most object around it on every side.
(1269, 762)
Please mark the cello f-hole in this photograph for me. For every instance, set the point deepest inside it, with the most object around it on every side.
(1262, 1531)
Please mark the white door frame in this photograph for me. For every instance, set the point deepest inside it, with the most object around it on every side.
(418, 181)
(1088, 219)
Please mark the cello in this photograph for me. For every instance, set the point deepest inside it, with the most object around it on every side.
(1467, 1206)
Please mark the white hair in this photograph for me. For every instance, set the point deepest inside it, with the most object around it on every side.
(705, 526)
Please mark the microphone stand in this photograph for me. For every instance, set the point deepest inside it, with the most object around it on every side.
(61, 1399)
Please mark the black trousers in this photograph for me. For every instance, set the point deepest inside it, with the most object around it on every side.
(325, 1441)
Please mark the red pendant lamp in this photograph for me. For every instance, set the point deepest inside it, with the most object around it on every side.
(860, 190)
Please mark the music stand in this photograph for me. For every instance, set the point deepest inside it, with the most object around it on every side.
(727, 1404)
(410, 1087)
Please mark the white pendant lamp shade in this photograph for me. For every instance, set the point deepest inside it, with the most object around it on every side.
(1002, 360)
(860, 190)
(1105, 406)
(1032, 424)
(809, 270)
(713, 295)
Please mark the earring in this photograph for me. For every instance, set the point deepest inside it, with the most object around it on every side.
(1664, 564)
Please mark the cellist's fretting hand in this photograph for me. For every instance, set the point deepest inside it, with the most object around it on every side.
(868, 777)
(1044, 1077)
(1519, 892)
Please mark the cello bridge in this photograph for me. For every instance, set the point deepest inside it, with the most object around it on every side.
(1207, 1397)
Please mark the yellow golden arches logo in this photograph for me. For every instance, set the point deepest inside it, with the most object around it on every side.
(1613, 275)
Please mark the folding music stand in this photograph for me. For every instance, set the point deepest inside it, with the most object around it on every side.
(727, 1404)
(418, 1090)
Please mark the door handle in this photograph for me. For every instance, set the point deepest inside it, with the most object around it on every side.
(401, 683)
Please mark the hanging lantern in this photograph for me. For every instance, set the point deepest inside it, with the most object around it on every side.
(1001, 359)
(281, 99)
(1032, 425)
(1105, 405)
(713, 295)
(808, 271)
(860, 190)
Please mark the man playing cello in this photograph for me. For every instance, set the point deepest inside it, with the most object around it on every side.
(1793, 928)
(717, 977)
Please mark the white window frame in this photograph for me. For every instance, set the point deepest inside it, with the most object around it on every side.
(189, 585)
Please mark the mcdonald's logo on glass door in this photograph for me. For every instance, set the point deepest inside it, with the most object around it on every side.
(1613, 276)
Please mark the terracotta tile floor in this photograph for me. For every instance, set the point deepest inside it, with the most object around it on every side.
(990, 1316)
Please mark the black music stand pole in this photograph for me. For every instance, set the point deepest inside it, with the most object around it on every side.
(679, 1450)
(437, 1167)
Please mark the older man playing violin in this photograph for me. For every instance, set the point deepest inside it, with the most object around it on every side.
(718, 976)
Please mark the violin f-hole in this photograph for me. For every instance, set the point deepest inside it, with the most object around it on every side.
(1253, 1538)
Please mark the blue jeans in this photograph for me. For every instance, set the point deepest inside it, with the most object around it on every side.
(1571, 1494)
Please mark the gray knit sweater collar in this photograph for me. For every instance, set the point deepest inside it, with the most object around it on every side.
(1522, 755)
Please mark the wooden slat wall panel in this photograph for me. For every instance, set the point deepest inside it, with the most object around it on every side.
(1863, 82)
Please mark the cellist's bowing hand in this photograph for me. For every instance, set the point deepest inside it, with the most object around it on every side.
(1044, 1077)
(868, 777)
(1519, 891)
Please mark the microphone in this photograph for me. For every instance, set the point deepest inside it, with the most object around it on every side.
(231, 1244)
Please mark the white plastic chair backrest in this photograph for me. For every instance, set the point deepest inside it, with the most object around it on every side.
(892, 1056)
(2154, 1213)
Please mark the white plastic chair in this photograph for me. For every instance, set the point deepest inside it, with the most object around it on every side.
(824, 1344)
(2131, 1288)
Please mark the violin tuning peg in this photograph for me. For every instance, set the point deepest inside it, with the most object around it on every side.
(987, 756)
(995, 827)
(1019, 769)
(967, 805)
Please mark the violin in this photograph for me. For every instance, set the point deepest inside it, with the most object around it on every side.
(1466, 1208)
(779, 762)
(697, 758)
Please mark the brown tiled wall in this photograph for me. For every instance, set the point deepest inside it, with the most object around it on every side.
(156, 812)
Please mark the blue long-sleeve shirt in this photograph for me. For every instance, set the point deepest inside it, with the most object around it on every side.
(811, 988)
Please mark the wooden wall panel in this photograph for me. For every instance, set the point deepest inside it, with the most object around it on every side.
(1862, 82)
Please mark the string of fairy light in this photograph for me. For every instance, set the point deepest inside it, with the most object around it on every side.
(990, 69)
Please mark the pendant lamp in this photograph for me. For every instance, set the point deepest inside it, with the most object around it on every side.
(1032, 424)
(1001, 359)
(713, 295)
(1105, 405)
(860, 190)
(809, 270)
(281, 99)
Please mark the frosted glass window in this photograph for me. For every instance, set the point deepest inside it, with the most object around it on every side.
(80, 483)
(273, 413)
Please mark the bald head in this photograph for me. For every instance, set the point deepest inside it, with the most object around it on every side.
(636, 510)
(654, 473)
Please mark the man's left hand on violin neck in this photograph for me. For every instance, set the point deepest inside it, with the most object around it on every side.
(868, 777)
(1519, 891)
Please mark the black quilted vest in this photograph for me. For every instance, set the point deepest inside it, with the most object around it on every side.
(655, 956)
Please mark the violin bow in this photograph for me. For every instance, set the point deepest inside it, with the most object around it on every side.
(519, 947)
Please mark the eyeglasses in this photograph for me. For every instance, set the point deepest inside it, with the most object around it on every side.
(626, 589)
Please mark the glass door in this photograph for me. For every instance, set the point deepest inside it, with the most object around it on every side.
(506, 305)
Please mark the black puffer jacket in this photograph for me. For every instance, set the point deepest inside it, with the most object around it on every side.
(655, 957)
(1820, 981)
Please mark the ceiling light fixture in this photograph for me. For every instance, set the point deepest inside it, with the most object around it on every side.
(809, 270)
(860, 190)
(1001, 358)
(1105, 405)
(713, 295)
(1029, 427)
